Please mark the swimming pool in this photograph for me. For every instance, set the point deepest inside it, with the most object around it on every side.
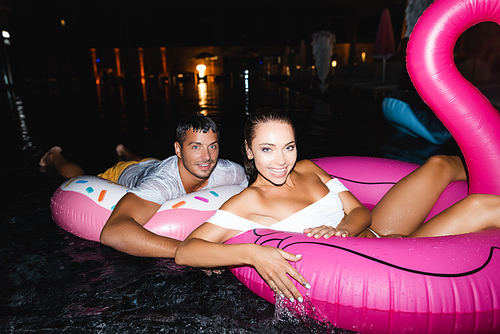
(52, 281)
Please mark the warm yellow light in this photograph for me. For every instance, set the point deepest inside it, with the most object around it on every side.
(363, 56)
(297, 67)
(334, 63)
(180, 75)
(5, 34)
(201, 70)
(63, 23)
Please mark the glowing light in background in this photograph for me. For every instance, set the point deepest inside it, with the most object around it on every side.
(363, 56)
(94, 63)
(63, 23)
(164, 77)
(6, 36)
(163, 51)
(97, 79)
(201, 70)
(119, 75)
(334, 63)
(143, 80)
(118, 62)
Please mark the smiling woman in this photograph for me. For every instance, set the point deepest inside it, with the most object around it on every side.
(274, 150)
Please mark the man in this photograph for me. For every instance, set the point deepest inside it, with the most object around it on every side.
(194, 166)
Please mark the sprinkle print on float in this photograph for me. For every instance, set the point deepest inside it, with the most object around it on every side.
(82, 206)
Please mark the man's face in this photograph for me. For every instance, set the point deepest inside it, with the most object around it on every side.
(198, 153)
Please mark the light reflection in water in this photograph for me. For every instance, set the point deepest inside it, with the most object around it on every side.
(17, 103)
(247, 90)
(202, 95)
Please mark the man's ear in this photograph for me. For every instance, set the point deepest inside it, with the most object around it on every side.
(177, 149)
(248, 151)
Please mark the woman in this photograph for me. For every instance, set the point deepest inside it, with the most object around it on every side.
(289, 195)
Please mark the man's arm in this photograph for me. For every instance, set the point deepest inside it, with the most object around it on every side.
(124, 229)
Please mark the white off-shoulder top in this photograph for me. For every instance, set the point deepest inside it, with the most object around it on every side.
(327, 211)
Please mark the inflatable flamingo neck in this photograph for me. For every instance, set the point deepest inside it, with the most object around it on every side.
(468, 115)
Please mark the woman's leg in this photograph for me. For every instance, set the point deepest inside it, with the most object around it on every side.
(65, 168)
(474, 213)
(406, 205)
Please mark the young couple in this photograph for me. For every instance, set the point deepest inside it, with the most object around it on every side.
(284, 194)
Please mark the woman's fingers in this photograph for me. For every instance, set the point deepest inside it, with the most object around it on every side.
(320, 231)
(293, 273)
(272, 264)
(325, 232)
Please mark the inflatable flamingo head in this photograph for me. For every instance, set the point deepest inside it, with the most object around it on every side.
(468, 115)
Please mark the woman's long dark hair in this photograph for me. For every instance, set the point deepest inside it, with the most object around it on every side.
(256, 118)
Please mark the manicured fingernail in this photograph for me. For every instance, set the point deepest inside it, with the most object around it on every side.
(300, 299)
(309, 234)
(282, 295)
(326, 236)
(316, 236)
(299, 256)
(292, 299)
(307, 286)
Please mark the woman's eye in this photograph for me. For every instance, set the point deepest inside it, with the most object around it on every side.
(266, 149)
(290, 148)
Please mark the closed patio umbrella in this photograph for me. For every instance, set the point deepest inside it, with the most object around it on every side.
(384, 46)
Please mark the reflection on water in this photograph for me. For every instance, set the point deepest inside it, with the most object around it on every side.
(203, 97)
(52, 281)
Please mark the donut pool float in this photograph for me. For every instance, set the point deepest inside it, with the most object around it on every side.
(82, 206)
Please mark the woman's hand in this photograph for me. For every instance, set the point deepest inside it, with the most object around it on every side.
(272, 265)
(325, 232)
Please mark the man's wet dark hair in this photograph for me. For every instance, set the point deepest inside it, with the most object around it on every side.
(196, 122)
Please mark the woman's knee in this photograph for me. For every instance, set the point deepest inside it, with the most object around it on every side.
(447, 165)
(483, 201)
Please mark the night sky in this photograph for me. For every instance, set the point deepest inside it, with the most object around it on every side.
(39, 40)
(151, 23)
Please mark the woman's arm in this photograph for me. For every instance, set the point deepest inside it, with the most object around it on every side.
(204, 248)
(357, 219)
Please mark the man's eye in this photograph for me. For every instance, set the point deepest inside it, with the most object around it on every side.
(195, 147)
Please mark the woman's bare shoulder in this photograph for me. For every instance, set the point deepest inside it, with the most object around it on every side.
(238, 203)
(309, 168)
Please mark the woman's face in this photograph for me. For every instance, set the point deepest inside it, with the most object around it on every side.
(274, 152)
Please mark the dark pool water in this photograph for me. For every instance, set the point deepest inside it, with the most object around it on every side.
(54, 282)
